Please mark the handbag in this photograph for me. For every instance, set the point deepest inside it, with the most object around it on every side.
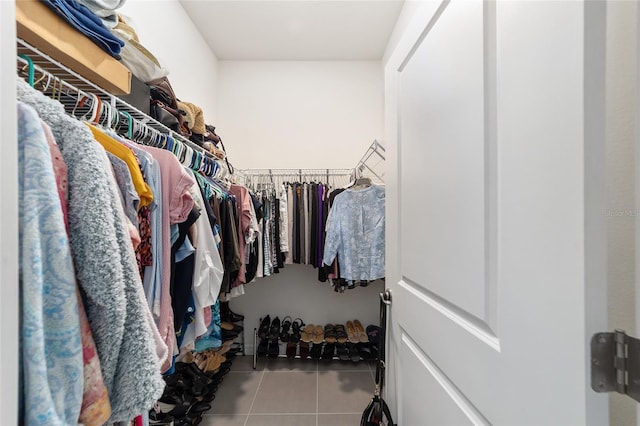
(162, 91)
(377, 413)
(165, 115)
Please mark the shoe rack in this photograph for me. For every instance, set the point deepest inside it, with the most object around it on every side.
(346, 343)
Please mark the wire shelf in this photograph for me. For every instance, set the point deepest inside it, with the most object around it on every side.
(66, 81)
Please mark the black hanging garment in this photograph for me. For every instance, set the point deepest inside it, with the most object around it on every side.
(377, 412)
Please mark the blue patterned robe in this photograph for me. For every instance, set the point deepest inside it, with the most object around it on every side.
(51, 349)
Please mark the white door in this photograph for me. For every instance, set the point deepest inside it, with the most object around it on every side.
(496, 242)
(8, 217)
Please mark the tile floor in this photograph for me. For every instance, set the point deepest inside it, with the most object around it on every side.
(287, 392)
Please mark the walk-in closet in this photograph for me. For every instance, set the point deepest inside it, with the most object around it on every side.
(198, 279)
(322, 213)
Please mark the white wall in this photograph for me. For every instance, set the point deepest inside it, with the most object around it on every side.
(166, 30)
(297, 114)
(286, 114)
(622, 48)
(8, 218)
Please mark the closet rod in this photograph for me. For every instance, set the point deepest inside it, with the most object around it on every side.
(296, 172)
(63, 75)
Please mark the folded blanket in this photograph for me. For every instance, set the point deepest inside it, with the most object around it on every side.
(86, 22)
(105, 9)
(135, 56)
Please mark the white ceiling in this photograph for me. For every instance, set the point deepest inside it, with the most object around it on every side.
(295, 30)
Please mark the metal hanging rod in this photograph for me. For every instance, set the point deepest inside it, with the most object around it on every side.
(296, 172)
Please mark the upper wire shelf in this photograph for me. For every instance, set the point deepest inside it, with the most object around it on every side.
(372, 163)
(64, 76)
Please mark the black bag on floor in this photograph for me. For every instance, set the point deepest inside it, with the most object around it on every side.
(377, 412)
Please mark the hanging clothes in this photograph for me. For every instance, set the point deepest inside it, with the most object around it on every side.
(177, 203)
(290, 225)
(284, 220)
(208, 269)
(245, 233)
(355, 233)
(105, 265)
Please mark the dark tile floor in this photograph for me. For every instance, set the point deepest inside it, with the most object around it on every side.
(287, 392)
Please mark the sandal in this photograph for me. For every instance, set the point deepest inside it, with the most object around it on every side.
(329, 334)
(351, 332)
(307, 334)
(286, 325)
(296, 326)
(341, 333)
(360, 331)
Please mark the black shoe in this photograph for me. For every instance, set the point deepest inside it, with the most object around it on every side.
(199, 408)
(226, 314)
(367, 351)
(342, 351)
(229, 335)
(263, 331)
(354, 353)
(160, 419)
(304, 350)
(274, 331)
(263, 347)
(328, 351)
(274, 348)
(316, 351)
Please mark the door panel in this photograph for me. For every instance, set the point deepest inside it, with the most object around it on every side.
(494, 239)
(447, 406)
(442, 161)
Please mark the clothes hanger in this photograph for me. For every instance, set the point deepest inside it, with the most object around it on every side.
(129, 124)
(188, 157)
(31, 68)
(96, 110)
(100, 111)
(157, 138)
(162, 139)
(105, 116)
(39, 80)
(78, 101)
(139, 131)
(115, 119)
(54, 88)
(361, 182)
